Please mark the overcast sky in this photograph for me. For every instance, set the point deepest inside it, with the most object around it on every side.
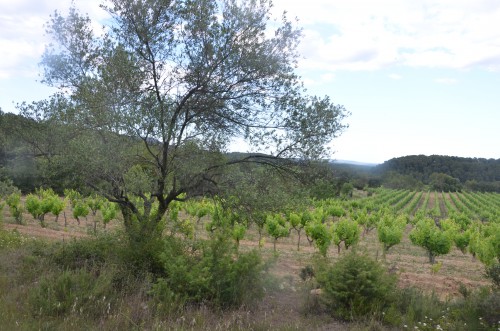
(419, 77)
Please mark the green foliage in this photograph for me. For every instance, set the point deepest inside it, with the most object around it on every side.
(42, 202)
(37, 207)
(355, 286)
(94, 202)
(298, 221)
(80, 210)
(307, 273)
(478, 174)
(137, 180)
(320, 234)
(70, 292)
(390, 231)
(345, 231)
(427, 235)
(73, 196)
(493, 273)
(216, 276)
(238, 233)
(10, 239)
(56, 205)
(7, 188)
(129, 144)
(109, 212)
(366, 220)
(445, 183)
(346, 190)
(277, 227)
(484, 242)
(462, 240)
(15, 206)
(335, 210)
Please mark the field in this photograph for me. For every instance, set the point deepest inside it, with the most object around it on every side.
(283, 304)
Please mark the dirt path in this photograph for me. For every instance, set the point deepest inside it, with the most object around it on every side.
(432, 201)
(39, 232)
(442, 206)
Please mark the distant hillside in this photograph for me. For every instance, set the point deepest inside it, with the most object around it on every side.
(367, 164)
(476, 173)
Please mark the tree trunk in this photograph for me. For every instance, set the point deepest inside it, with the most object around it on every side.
(432, 258)
(298, 241)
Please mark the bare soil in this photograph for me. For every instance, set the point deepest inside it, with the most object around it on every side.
(432, 201)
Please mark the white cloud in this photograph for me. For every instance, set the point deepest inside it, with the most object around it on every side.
(368, 35)
(22, 32)
(338, 34)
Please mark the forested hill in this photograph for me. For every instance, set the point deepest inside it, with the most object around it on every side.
(421, 167)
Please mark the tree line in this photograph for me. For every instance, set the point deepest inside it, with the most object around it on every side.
(443, 173)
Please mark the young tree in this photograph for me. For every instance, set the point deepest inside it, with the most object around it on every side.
(80, 210)
(426, 234)
(319, 233)
(56, 206)
(15, 206)
(95, 203)
(277, 227)
(345, 231)
(298, 221)
(42, 203)
(390, 231)
(109, 212)
(167, 87)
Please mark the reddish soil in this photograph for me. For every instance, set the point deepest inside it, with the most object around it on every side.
(432, 201)
(442, 206)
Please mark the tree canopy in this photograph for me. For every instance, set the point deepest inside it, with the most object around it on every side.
(149, 105)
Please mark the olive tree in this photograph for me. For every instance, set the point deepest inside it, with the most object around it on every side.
(153, 101)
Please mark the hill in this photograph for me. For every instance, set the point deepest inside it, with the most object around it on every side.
(473, 173)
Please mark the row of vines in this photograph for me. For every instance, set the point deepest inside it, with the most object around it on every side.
(435, 221)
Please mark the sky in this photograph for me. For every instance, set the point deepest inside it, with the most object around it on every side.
(419, 77)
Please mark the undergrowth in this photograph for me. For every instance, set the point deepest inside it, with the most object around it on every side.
(358, 289)
(93, 283)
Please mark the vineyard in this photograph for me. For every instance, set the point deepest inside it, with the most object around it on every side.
(436, 242)
(464, 225)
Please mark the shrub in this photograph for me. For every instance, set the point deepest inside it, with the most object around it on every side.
(355, 286)
(493, 273)
(216, 275)
(16, 208)
(86, 252)
(10, 239)
(89, 293)
(413, 309)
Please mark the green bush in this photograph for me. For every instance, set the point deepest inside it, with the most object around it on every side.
(214, 275)
(355, 286)
(89, 293)
(411, 305)
(9, 239)
(493, 273)
(87, 252)
(413, 309)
